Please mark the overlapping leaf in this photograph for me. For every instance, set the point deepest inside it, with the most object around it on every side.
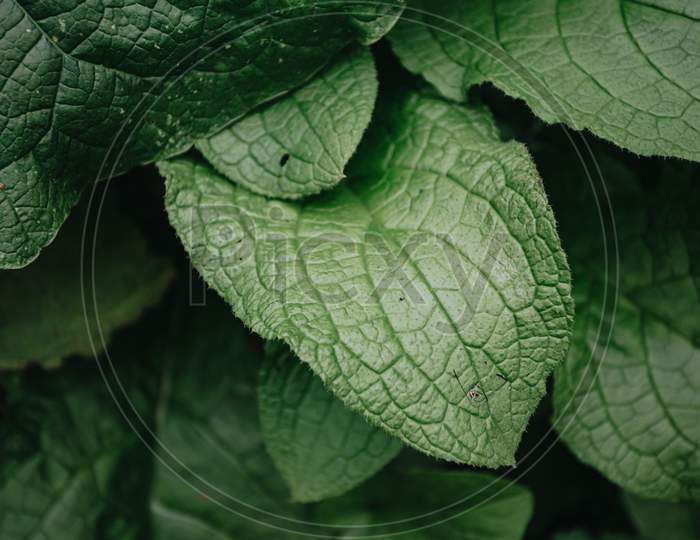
(321, 447)
(428, 291)
(71, 467)
(300, 144)
(188, 461)
(627, 70)
(88, 89)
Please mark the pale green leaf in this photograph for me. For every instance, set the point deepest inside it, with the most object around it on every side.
(321, 447)
(300, 144)
(428, 291)
(627, 70)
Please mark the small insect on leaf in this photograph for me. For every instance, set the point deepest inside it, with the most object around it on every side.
(2, 186)
(476, 395)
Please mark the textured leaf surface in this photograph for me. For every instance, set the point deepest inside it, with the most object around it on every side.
(77, 77)
(428, 291)
(657, 519)
(632, 409)
(71, 467)
(627, 70)
(300, 144)
(41, 315)
(321, 447)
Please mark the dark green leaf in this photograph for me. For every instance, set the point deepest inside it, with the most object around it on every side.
(90, 89)
(657, 519)
(71, 467)
(630, 406)
(76, 463)
(42, 318)
(430, 505)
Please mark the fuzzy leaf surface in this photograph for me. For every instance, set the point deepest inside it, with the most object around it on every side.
(428, 291)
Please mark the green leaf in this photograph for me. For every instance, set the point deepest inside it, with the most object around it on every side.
(627, 70)
(42, 318)
(656, 519)
(300, 144)
(321, 447)
(428, 291)
(215, 479)
(476, 504)
(630, 407)
(89, 91)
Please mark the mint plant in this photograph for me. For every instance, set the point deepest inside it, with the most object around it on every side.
(398, 220)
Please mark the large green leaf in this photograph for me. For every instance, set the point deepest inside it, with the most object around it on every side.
(630, 406)
(320, 446)
(77, 463)
(42, 319)
(429, 291)
(627, 70)
(300, 144)
(89, 89)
